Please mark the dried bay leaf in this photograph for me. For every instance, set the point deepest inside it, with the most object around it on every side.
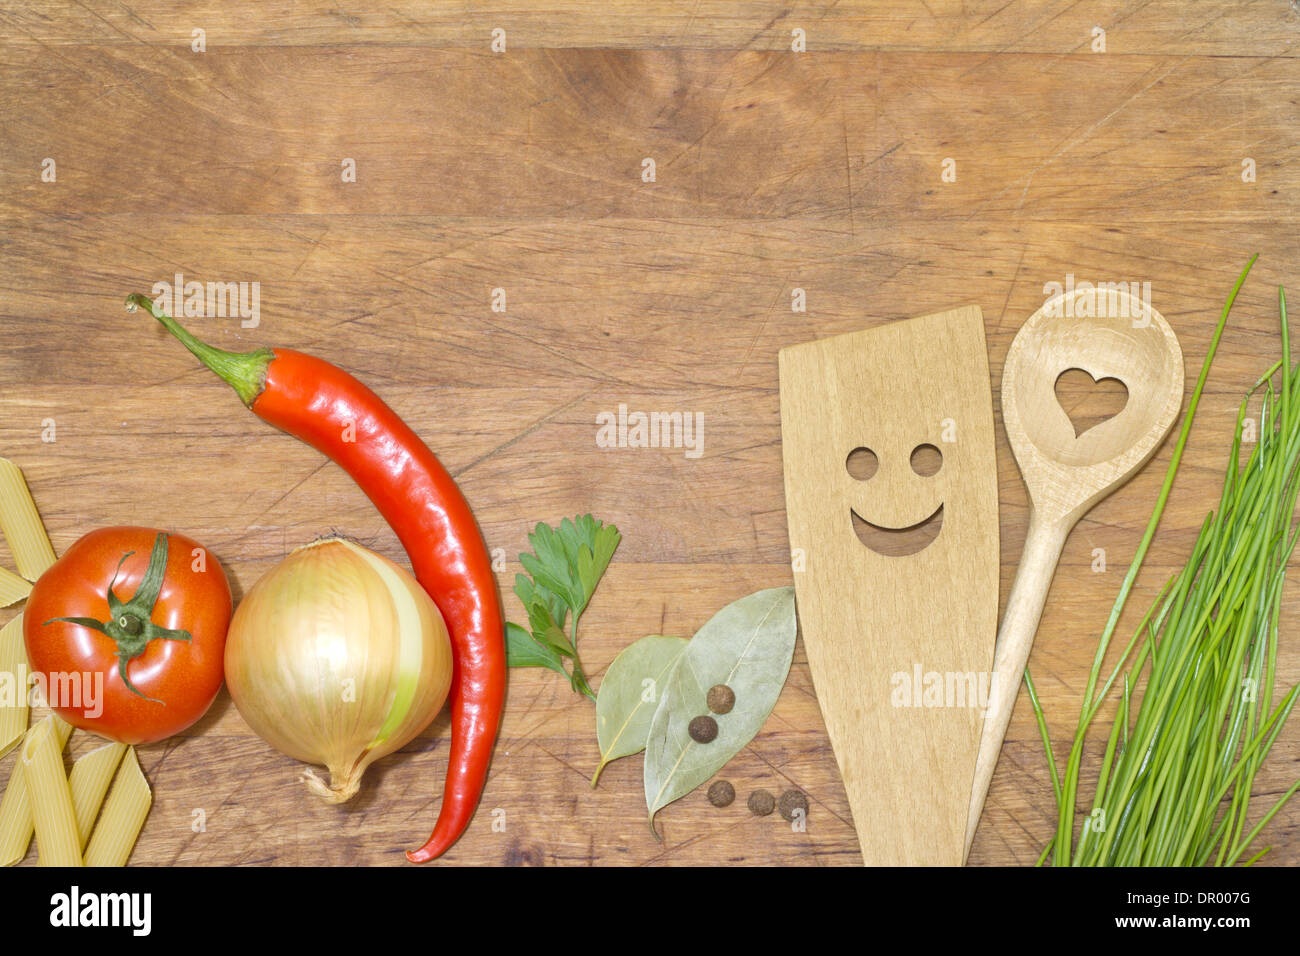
(747, 646)
(629, 694)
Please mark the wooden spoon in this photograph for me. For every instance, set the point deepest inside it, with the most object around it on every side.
(1066, 474)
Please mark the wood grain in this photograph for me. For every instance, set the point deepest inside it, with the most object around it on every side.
(775, 171)
(562, 134)
(1168, 27)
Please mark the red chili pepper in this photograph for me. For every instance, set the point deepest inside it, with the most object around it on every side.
(336, 414)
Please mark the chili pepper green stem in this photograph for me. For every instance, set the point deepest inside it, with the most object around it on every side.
(245, 372)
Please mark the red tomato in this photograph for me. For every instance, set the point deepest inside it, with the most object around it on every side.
(81, 663)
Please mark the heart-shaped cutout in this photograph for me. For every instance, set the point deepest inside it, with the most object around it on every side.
(1087, 401)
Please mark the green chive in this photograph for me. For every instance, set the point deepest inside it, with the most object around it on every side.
(1180, 761)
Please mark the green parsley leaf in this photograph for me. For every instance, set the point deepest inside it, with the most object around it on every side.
(563, 569)
(523, 651)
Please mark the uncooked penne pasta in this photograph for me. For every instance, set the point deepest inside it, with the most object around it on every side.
(16, 806)
(12, 588)
(22, 525)
(89, 781)
(122, 817)
(57, 840)
(13, 685)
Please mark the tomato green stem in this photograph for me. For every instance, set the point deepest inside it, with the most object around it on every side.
(130, 623)
(245, 372)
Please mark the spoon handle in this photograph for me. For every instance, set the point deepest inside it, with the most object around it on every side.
(1043, 545)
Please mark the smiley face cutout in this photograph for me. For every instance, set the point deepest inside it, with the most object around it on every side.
(912, 536)
(887, 437)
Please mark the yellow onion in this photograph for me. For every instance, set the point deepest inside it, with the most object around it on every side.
(337, 657)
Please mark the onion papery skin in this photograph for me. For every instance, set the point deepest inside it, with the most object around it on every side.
(337, 657)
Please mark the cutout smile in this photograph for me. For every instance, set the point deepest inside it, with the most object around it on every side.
(898, 542)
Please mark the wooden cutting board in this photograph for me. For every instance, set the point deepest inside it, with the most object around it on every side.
(913, 157)
(892, 500)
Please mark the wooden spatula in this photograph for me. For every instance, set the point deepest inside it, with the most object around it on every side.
(892, 502)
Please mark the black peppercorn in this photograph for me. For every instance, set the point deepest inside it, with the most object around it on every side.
(791, 801)
(761, 803)
(721, 793)
(721, 699)
(703, 729)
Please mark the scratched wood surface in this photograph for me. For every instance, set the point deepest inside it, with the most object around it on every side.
(522, 171)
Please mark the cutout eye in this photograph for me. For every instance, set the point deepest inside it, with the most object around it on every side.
(862, 463)
(926, 460)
